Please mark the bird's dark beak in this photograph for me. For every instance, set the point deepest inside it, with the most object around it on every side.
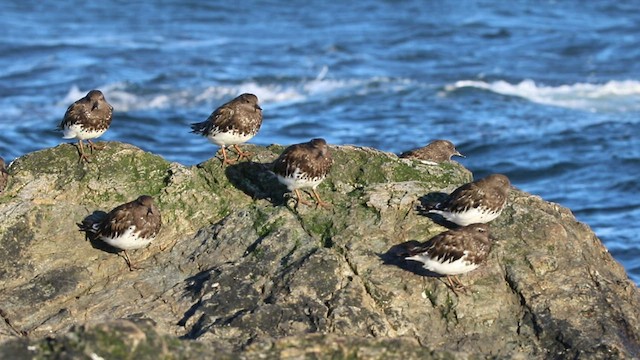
(457, 153)
(258, 107)
(95, 106)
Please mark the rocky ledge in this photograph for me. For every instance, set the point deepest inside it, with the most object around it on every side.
(239, 272)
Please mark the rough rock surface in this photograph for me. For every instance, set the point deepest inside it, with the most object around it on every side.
(242, 272)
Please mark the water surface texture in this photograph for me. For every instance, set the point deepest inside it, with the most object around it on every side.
(547, 93)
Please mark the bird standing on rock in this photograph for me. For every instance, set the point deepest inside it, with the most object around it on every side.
(86, 119)
(233, 123)
(304, 165)
(132, 225)
(479, 201)
(454, 252)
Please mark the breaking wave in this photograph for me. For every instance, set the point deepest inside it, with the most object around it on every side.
(272, 94)
(612, 96)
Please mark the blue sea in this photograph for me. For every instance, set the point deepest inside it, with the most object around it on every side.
(546, 92)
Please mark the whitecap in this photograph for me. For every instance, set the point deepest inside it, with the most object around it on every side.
(270, 94)
(123, 100)
(612, 96)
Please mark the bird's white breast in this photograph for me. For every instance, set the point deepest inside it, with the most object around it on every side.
(455, 267)
(78, 131)
(299, 180)
(128, 240)
(229, 138)
(468, 217)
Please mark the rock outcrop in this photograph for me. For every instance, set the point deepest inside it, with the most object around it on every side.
(237, 270)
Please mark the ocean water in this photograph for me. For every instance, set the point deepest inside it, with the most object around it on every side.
(546, 92)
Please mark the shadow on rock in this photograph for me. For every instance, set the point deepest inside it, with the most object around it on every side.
(194, 288)
(88, 226)
(257, 181)
(396, 256)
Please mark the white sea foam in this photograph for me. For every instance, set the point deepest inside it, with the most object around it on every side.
(123, 100)
(613, 96)
(271, 94)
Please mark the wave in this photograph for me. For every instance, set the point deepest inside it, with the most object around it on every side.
(271, 94)
(612, 96)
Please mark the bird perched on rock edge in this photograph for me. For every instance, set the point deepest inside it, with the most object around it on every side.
(86, 119)
(233, 123)
(435, 152)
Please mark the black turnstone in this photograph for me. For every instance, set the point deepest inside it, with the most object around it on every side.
(132, 225)
(304, 165)
(233, 123)
(86, 119)
(4, 175)
(454, 252)
(479, 201)
(435, 152)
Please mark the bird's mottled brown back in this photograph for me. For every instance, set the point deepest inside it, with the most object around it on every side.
(312, 158)
(242, 114)
(437, 151)
(490, 192)
(451, 245)
(93, 112)
(141, 213)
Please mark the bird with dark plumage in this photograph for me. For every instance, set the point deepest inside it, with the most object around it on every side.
(233, 123)
(86, 119)
(479, 201)
(454, 252)
(132, 225)
(435, 152)
(304, 165)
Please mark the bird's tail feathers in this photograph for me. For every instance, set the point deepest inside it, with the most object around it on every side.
(199, 128)
(426, 208)
(89, 226)
(414, 251)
